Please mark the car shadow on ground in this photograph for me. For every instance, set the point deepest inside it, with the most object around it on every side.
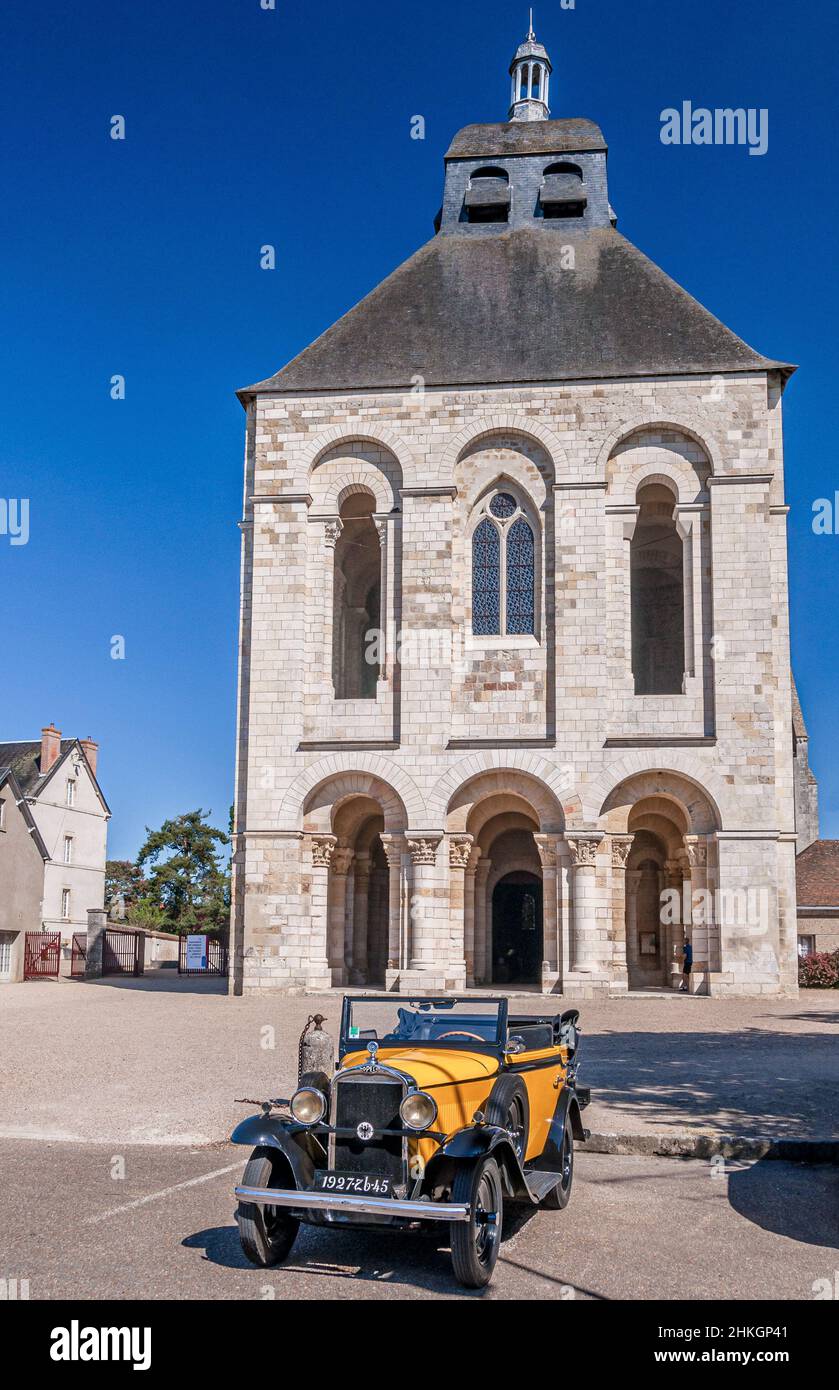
(751, 1081)
(364, 1255)
(799, 1201)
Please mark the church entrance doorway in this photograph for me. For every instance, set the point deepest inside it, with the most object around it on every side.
(517, 945)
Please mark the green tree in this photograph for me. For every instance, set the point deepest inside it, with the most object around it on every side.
(125, 886)
(184, 875)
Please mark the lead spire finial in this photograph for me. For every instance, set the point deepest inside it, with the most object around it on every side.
(530, 33)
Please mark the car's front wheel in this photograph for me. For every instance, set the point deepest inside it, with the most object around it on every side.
(476, 1242)
(266, 1233)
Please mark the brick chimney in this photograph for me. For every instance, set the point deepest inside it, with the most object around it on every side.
(50, 748)
(91, 751)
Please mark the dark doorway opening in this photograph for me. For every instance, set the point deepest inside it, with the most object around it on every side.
(517, 947)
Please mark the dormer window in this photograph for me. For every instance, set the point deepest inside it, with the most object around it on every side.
(563, 192)
(488, 196)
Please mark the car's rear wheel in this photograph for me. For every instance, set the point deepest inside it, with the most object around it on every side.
(266, 1233)
(476, 1242)
(508, 1107)
(559, 1196)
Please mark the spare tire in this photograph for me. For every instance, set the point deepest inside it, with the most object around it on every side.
(509, 1107)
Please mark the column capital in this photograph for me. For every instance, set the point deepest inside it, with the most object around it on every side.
(331, 531)
(696, 849)
(621, 845)
(547, 846)
(393, 845)
(460, 850)
(342, 857)
(584, 849)
(323, 847)
(424, 850)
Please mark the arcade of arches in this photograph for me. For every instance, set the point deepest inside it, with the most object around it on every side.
(505, 894)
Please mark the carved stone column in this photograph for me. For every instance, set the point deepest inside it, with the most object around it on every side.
(469, 914)
(358, 965)
(585, 947)
(460, 851)
(340, 866)
(673, 931)
(620, 847)
(425, 946)
(632, 878)
(483, 925)
(322, 849)
(702, 929)
(393, 846)
(546, 846)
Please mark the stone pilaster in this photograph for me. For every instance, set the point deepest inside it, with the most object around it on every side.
(322, 849)
(340, 866)
(358, 964)
(393, 846)
(460, 853)
(546, 846)
(620, 846)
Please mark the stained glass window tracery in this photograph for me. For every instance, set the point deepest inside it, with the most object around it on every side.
(503, 569)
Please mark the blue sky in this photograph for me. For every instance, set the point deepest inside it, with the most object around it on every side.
(292, 127)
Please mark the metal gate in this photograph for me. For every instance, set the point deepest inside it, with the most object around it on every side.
(41, 955)
(122, 953)
(78, 955)
(217, 956)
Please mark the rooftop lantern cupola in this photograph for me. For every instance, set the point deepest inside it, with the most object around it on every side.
(530, 71)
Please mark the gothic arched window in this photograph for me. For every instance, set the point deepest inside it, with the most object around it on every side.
(503, 569)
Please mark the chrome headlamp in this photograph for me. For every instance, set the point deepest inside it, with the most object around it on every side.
(308, 1105)
(418, 1110)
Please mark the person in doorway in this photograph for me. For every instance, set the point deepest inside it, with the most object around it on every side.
(687, 966)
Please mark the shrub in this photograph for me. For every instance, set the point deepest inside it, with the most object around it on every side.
(819, 971)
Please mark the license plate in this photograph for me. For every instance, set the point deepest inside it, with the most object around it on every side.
(354, 1184)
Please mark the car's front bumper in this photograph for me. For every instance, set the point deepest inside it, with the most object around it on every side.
(300, 1200)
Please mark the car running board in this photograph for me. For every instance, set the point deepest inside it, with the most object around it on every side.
(540, 1183)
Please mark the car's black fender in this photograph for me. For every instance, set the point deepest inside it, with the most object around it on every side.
(471, 1143)
(567, 1105)
(293, 1142)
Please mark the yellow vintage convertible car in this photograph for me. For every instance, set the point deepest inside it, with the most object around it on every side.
(439, 1110)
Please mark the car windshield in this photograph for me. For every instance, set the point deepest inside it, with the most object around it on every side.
(390, 1022)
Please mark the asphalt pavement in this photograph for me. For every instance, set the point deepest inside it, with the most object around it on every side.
(85, 1221)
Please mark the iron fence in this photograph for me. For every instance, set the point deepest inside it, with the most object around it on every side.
(217, 959)
(122, 953)
(41, 955)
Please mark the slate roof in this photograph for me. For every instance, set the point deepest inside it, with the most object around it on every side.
(488, 310)
(7, 775)
(526, 137)
(817, 874)
(24, 759)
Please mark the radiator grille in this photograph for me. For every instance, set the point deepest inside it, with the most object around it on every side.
(376, 1100)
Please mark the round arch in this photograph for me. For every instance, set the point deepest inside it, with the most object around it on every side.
(694, 430)
(504, 424)
(524, 772)
(667, 776)
(345, 775)
(504, 785)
